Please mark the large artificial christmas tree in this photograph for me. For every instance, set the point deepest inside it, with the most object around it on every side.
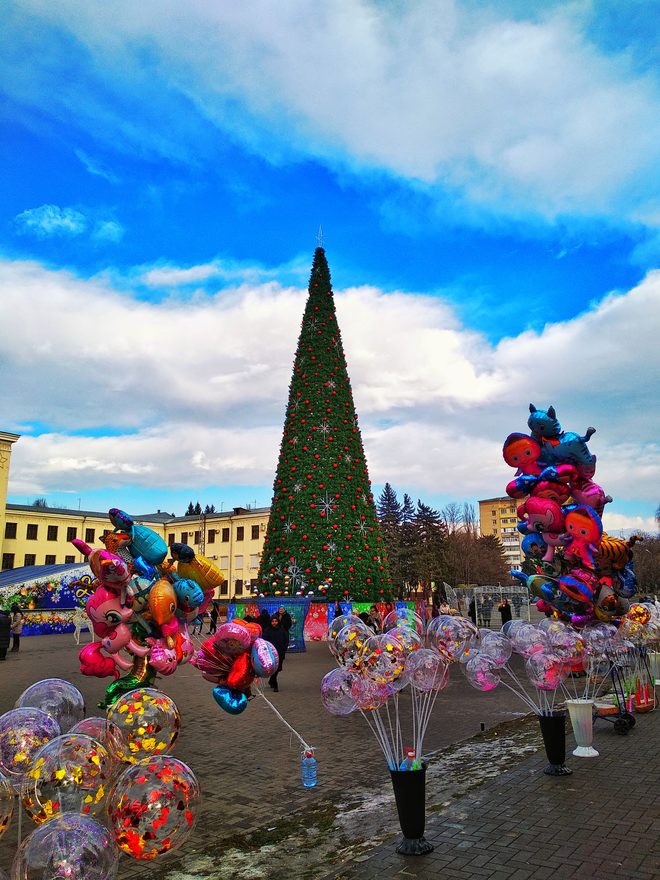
(323, 533)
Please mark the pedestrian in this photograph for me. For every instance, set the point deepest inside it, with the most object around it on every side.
(213, 618)
(338, 612)
(376, 622)
(5, 632)
(472, 610)
(505, 610)
(285, 618)
(198, 623)
(16, 627)
(279, 638)
(264, 619)
(517, 604)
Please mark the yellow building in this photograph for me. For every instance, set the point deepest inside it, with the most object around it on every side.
(497, 516)
(42, 535)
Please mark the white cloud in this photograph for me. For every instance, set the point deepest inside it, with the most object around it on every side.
(527, 116)
(193, 394)
(51, 220)
(108, 231)
(96, 168)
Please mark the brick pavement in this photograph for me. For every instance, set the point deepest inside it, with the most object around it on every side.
(519, 825)
(603, 822)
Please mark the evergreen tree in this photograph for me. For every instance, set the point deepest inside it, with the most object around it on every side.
(429, 545)
(323, 527)
(210, 508)
(191, 510)
(388, 507)
(198, 509)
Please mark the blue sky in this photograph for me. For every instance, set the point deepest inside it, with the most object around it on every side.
(486, 176)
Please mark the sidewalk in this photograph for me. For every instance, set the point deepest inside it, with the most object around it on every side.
(603, 822)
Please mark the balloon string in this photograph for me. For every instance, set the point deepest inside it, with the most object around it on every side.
(305, 745)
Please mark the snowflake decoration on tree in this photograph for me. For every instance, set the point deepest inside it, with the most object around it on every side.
(327, 505)
(297, 487)
(361, 527)
(288, 526)
(332, 547)
(324, 428)
(296, 576)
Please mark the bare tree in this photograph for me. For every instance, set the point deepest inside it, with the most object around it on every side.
(451, 517)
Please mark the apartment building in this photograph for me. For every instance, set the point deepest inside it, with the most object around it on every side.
(497, 516)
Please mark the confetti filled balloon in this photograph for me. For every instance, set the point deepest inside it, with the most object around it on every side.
(403, 617)
(451, 636)
(336, 694)
(496, 646)
(69, 847)
(105, 732)
(6, 803)
(153, 806)
(545, 671)
(427, 670)
(482, 672)
(350, 642)
(339, 623)
(149, 720)
(71, 773)
(383, 658)
(22, 733)
(57, 697)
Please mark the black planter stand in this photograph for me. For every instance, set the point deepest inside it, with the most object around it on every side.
(410, 796)
(553, 729)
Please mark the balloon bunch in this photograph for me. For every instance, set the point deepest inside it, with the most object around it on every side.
(95, 787)
(374, 670)
(141, 604)
(232, 658)
(572, 567)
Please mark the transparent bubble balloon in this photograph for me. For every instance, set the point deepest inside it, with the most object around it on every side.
(69, 847)
(545, 671)
(105, 732)
(153, 806)
(383, 658)
(511, 626)
(452, 636)
(71, 773)
(22, 733)
(149, 722)
(369, 694)
(496, 646)
(403, 617)
(337, 625)
(529, 639)
(57, 697)
(403, 639)
(6, 803)
(349, 643)
(427, 670)
(598, 637)
(336, 694)
(482, 672)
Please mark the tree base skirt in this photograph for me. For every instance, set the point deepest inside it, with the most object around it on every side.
(418, 846)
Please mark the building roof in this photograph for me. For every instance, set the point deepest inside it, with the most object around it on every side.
(28, 573)
(158, 517)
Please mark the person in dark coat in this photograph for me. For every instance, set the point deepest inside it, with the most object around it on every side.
(472, 610)
(5, 632)
(285, 618)
(279, 638)
(505, 611)
(264, 619)
(213, 618)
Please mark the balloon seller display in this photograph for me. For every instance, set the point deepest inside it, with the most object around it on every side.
(103, 771)
(141, 603)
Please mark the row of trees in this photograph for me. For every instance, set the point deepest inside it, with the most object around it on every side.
(428, 546)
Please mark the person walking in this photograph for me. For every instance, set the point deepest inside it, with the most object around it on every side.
(505, 610)
(5, 632)
(279, 638)
(472, 610)
(213, 618)
(285, 618)
(487, 610)
(16, 627)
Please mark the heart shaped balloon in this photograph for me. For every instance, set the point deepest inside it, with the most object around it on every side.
(233, 702)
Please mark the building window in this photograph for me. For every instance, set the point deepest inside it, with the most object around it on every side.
(224, 589)
(51, 535)
(90, 535)
(10, 530)
(69, 559)
(211, 537)
(7, 560)
(254, 560)
(170, 539)
(30, 559)
(225, 535)
(50, 560)
(240, 533)
(32, 530)
(197, 537)
(71, 533)
(238, 562)
(255, 533)
(238, 587)
(184, 537)
(224, 563)
(107, 532)
(493, 513)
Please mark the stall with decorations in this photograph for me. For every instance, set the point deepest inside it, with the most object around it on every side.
(48, 595)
